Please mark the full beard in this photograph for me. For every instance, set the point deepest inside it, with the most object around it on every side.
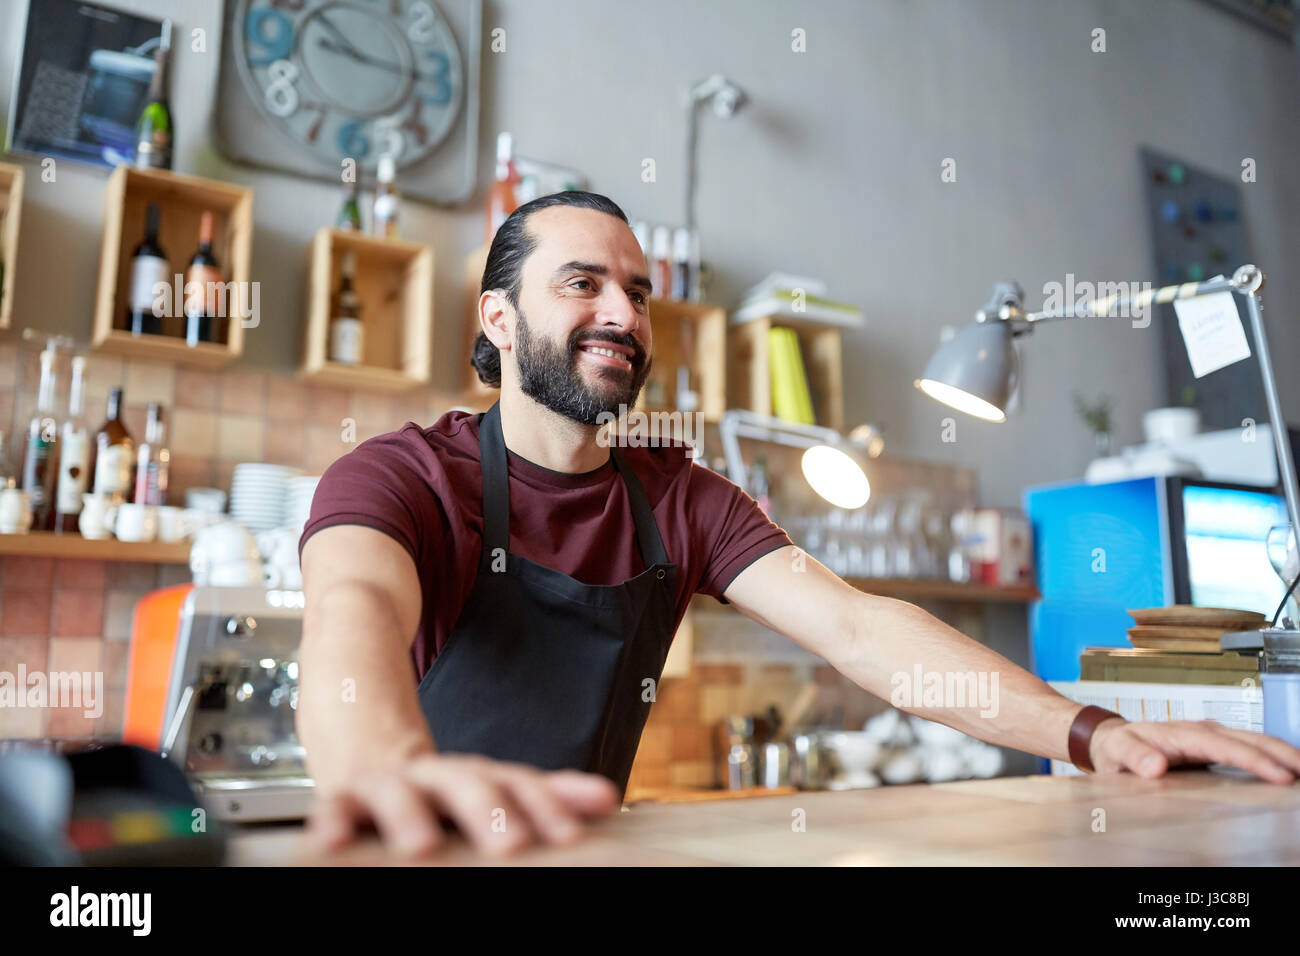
(549, 374)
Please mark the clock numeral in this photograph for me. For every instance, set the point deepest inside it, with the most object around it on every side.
(421, 28)
(281, 97)
(272, 31)
(351, 140)
(313, 131)
(442, 76)
(413, 123)
(388, 132)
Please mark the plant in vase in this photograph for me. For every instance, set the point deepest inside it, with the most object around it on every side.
(1097, 417)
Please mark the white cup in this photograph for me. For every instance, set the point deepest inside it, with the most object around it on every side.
(211, 500)
(225, 543)
(132, 522)
(173, 523)
(238, 574)
(15, 512)
(91, 520)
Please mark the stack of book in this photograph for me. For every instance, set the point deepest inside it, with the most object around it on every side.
(791, 399)
(794, 299)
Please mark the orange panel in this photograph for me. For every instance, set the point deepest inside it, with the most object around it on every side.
(155, 627)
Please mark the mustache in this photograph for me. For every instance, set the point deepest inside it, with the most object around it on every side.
(627, 339)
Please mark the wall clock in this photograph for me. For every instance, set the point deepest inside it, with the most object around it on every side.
(308, 83)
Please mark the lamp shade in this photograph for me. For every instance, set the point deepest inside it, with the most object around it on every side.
(973, 371)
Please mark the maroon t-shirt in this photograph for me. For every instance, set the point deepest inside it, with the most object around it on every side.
(423, 488)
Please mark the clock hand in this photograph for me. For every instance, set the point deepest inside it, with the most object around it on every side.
(350, 50)
(371, 61)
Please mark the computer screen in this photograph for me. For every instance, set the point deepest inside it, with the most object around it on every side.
(1227, 558)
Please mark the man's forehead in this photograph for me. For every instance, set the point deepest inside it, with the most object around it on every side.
(566, 234)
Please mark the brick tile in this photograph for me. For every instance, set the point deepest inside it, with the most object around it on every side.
(8, 365)
(69, 722)
(691, 743)
(76, 654)
(719, 673)
(129, 576)
(30, 651)
(7, 411)
(285, 443)
(327, 406)
(20, 573)
(150, 382)
(135, 417)
(197, 389)
(243, 393)
(240, 438)
(374, 410)
(26, 613)
(112, 720)
(119, 608)
(22, 723)
(189, 472)
(116, 656)
(79, 575)
(78, 614)
(194, 433)
(323, 447)
(286, 399)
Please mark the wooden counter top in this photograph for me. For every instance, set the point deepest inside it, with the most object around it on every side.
(1186, 818)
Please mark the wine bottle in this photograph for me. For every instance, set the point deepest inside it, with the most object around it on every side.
(149, 267)
(74, 454)
(42, 449)
(349, 216)
(113, 454)
(201, 278)
(347, 335)
(152, 461)
(154, 132)
(384, 216)
(501, 197)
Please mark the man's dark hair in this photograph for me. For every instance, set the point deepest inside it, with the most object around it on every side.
(513, 244)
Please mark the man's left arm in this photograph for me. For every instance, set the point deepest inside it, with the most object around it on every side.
(893, 649)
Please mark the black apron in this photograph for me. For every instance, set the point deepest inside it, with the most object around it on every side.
(542, 669)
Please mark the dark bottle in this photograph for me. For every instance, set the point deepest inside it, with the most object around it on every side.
(114, 454)
(149, 267)
(154, 132)
(41, 463)
(200, 296)
(74, 455)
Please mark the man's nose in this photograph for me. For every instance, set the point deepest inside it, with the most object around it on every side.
(618, 311)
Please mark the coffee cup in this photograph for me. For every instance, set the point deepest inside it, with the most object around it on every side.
(15, 511)
(173, 523)
(91, 520)
(211, 500)
(132, 522)
(225, 543)
(237, 574)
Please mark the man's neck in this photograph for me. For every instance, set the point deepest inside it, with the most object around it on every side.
(545, 438)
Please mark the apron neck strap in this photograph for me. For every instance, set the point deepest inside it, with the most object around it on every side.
(496, 495)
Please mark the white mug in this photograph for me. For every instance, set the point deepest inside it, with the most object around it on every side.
(211, 500)
(220, 544)
(15, 512)
(91, 519)
(132, 522)
(238, 574)
(173, 523)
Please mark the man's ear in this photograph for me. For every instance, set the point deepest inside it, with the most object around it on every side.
(494, 314)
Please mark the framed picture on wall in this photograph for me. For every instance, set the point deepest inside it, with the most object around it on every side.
(83, 78)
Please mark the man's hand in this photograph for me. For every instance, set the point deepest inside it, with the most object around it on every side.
(1149, 748)
(499, 807)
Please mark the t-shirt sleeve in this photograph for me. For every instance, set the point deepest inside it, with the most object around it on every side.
(379, 485)
(729, 527)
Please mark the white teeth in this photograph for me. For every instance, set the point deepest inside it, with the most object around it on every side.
(610, 352)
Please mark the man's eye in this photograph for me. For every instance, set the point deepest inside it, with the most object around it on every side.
(639, 297)
(575, 282)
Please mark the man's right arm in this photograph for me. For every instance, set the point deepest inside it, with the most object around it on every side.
(368, 746)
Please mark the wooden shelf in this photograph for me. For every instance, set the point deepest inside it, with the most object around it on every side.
(750, 373)
(163, 348)
(11, 205)
(183, 200)
(47, 544)
(394, 283)
(707, 325)
(944, 590)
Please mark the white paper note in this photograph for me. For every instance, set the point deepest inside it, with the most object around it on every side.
(1212, 331)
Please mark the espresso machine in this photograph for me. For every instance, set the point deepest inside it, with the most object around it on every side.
(219, 696)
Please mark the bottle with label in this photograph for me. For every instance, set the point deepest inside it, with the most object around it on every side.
(347, 335)
(74, 454)
(42, 450)
(384, 216)
(152, 461)
(661, 266)
(114, 454)
(201, 279)
(349, 216)
(501, 197)
(149, 267)
(681, 264)
(154, 132)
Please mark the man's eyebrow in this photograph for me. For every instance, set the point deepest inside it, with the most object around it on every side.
(595, 268)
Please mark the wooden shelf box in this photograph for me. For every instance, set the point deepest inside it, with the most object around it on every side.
(183, 200)
(750, 373)
(706, 326)
(11, 205)
(394, 282)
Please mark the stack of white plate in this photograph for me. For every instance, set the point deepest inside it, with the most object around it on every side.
(257, 495)
(298, 493)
